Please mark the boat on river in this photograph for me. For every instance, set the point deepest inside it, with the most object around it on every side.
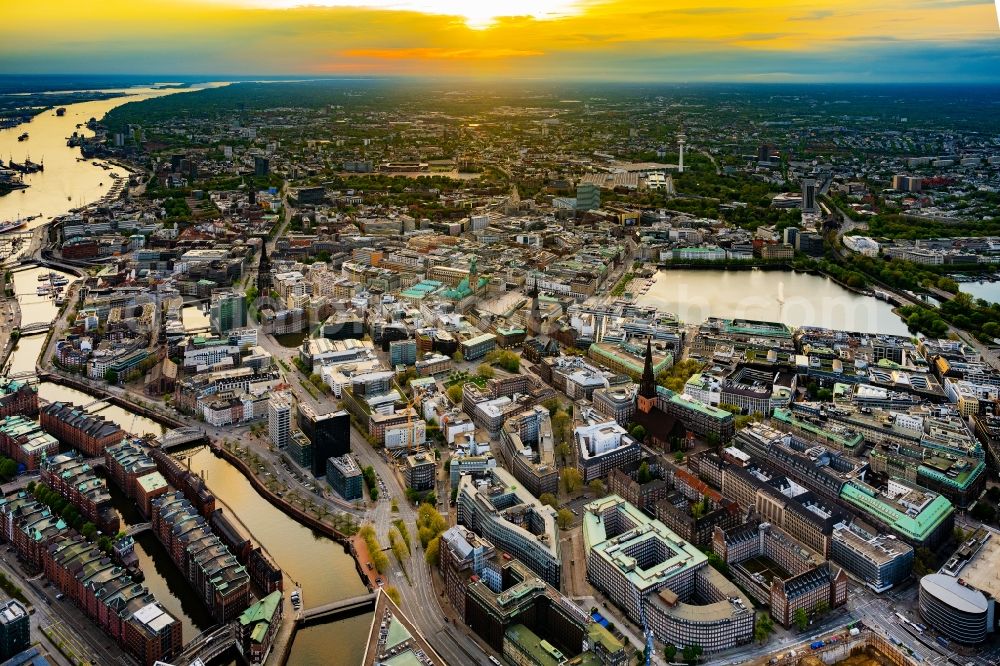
(10, 226)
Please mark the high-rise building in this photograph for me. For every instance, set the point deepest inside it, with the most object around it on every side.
(402, 352)
(588, 196)
(809, 204)
(764, 153)
(15, 629)
(904, 183)
(330, 435)
(261, 166)
(279, 420)
(228, 311)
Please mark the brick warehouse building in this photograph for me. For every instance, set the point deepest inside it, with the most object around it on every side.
(72, 426)
(17, 398)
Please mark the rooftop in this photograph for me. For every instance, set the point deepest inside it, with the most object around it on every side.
(639, 533)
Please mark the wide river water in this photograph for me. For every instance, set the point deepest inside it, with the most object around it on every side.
(322, 567)
(792, 298)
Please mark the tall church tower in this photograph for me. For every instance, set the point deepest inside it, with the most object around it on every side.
(535, 316)
(263, 271)
(646, 400)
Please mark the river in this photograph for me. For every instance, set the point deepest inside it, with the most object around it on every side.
(322, 567)
(66, 182)
(792, 298)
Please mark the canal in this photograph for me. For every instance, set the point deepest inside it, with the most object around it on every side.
(322, 567)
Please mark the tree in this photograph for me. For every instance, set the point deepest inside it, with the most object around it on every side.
(433, 552)
(548, 499)
(398, 545)
(110, 376)
(822, 608)
(88, 531)
(984, 512)
(692, 653)
(393, 593)
(455, 393)
(597, 488)
(800, 619)
(485, 371)
(561, 423)
(564, 518)
(564, 451)
(763, 628)
(638, 432)
(430, 524)
(571, 479)
(670, 652)
(457, 357)
(8, 469)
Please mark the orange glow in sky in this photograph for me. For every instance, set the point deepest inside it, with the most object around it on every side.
(618, 40)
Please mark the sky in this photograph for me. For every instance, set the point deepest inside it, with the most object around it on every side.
(606, 40)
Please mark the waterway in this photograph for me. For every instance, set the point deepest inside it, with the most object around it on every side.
(988, 291)
(161, 575)
(340, 642)
(792, 298)
(322, 567)
(66, 182)
(324, 570)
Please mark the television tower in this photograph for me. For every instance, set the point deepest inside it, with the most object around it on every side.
(680, 152)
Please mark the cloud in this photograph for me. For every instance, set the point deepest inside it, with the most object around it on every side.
(437, 53)
(611, 39)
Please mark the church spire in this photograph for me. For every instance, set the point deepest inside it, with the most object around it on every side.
(647, 387)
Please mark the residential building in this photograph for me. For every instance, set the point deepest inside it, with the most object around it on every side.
(420, 471)
(402, 352)
(279, 419)
(880, 560)
(527, 449)
(17, 398)
(258, 625)
(478, 346)
(461, 556)
(228, 311)
(779, 571)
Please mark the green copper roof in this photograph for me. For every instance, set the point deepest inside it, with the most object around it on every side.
(916, 527)
(262, 611)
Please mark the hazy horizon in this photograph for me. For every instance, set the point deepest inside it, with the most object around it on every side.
(642, 41)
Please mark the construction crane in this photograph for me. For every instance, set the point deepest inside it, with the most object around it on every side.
(415, 399)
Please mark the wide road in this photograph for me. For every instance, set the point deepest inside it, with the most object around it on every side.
(419, 600)
(76, 631)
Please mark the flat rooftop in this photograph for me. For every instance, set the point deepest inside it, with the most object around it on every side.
(640, 533)
(981, 570)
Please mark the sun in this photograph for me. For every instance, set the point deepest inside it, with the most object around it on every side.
(477, 14)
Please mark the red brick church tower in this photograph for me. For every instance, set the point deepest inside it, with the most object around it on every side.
(646, 401)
